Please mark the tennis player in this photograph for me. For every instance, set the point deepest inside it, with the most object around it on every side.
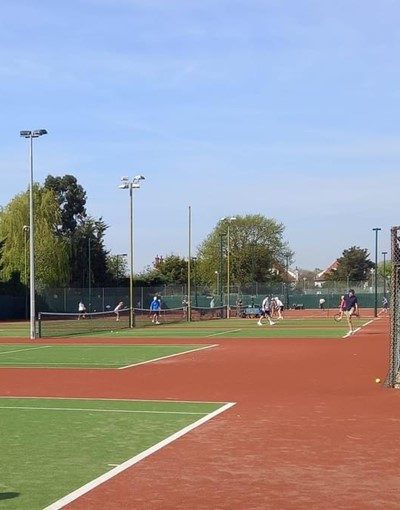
(265, 312)
(81, 310)
(155, 309)
(117, 309)
(351, 303)
(279, 307)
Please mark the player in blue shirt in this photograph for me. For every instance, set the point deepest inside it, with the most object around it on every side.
(155, 308)
(350, 308)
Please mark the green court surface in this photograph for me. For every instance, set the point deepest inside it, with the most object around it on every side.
(229, 328)
(51, 447)
(87, 356)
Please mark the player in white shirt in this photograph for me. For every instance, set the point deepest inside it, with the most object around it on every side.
(265, 312)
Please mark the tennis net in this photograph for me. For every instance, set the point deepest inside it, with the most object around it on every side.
(143, 317)
(51, 324)
(199, 313)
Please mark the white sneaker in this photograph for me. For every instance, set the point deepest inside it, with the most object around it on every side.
(157, 322)
(272, 323)
(259, 323)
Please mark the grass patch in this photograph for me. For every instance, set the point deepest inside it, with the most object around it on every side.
(51, 447)
(85, 356)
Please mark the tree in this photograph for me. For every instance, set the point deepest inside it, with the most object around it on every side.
(257, 251)
(89, 256)
(117, 267)
(354, 265)
(71, 199)
(51, 251)
(172, 269)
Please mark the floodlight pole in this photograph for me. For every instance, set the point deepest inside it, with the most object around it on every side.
(287, 280)
(189, 276)
(31, 135)
(384, 253)
(221, 269)
(131, 185)
(376, 230)
(26, 230)
(89, 274)
(228, 268)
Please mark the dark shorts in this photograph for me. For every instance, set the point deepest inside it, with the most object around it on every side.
(155, 312)
(265, 313)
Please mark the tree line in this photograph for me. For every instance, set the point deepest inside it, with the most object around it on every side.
(70, 248)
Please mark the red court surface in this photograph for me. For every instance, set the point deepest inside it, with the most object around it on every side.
(311, 429)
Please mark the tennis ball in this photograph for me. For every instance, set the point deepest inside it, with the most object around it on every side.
(377, 380)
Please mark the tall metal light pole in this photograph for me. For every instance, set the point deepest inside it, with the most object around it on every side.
(89, 274)
(376, 230)
(228, 268)
(25, 228)
(189, 275)
(221, 270)
(132, 184)
(287, 255)
(384, 253)
(31, 135)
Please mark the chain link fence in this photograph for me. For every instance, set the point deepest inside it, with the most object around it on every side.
(393, 378)
(101, 299)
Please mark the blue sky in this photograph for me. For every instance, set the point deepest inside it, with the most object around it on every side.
(288, 108)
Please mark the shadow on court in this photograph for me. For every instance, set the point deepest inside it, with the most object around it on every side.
(9, 495)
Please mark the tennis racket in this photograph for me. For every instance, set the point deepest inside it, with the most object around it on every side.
(337, 317)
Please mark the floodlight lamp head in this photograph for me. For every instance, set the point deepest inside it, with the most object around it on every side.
(139, 178)
(124, 178)
(124, 186)
(39, 132)
(25, 133)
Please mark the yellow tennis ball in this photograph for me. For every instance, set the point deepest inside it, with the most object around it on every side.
(377, 380)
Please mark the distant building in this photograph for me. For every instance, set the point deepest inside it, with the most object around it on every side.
(322, 277)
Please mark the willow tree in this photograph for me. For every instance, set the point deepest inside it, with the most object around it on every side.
(51, 251)
(257, 250)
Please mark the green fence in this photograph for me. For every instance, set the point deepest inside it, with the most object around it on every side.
(106, 298)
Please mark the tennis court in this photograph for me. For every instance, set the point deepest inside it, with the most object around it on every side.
(309, 428)
(72, 442)
(301, 327)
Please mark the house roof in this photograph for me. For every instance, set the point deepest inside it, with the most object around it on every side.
(322, 275)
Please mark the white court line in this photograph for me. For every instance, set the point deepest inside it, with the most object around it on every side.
(134, 460)
(224, 332)
(94, 410)
(367, 323)
(29, 349)
(168, 356)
